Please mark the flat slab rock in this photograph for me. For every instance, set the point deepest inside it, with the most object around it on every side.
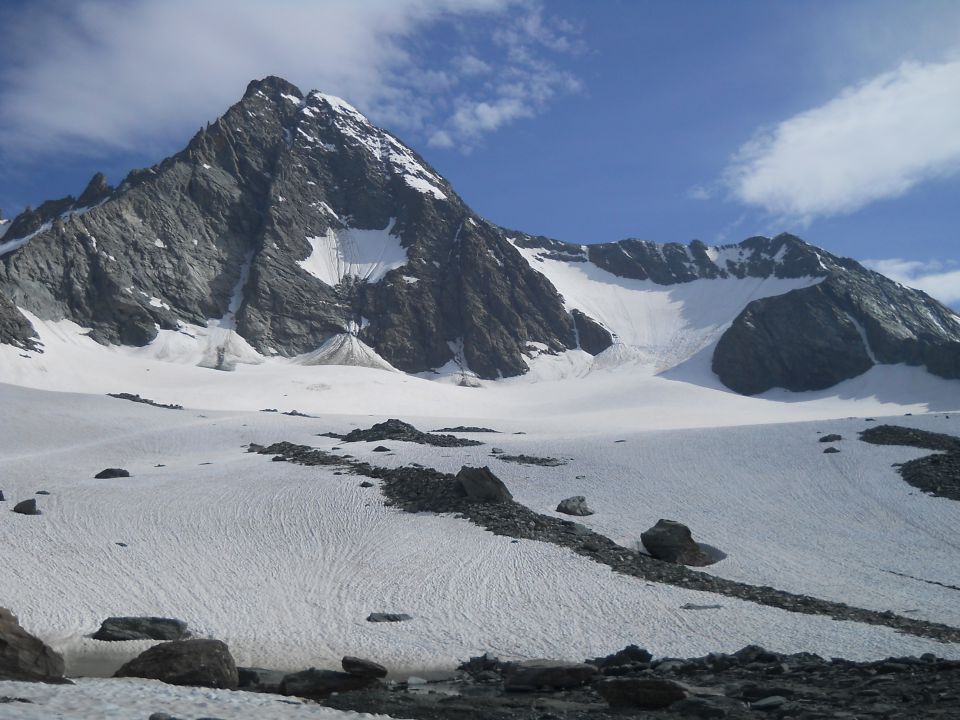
(388, 617)
(118, 629)
(110, 473)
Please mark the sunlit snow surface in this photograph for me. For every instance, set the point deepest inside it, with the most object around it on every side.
(367, 255)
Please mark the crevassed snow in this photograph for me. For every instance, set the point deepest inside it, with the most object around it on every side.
(345, 349)
(348, 252)
(663, 325)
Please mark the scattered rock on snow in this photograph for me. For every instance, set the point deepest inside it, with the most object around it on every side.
(115, 629)
(576, 505)
(388, 617)
(481, 485)
(532, 460)
(831, 438)
(829, 450)
(381, 448)
(109, 473)
(25, 657)
(672, 541)
(363, 668)
(27, 507)
(394, 429)
(200, 663)
(366, 484)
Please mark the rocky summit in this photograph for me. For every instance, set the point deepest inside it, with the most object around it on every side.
(293, 227)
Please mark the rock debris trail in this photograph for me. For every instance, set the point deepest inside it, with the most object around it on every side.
(426, 490)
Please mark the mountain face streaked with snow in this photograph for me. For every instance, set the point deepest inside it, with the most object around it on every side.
(293, 228)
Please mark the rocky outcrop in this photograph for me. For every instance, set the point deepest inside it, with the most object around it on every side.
(576, 505)
(318, 684)
(115, 629)
(15, 329)
(394, 429)
(639, 692)
(200, 663)
(25, 657)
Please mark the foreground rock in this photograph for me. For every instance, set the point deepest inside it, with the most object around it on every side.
(481, 485)
(639, 692)
(548, 674)
(672, 541)
(110, 473)
(318, 684)
(576, 505)
(117, 629)
(363, 668)
(200, 663)
(27, 507)
(25, 657)
(379, 617)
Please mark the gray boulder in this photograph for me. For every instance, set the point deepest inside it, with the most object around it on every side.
(318, 684)
(640, 692)
(25, 657)
(260, 680)
(576, 505)
(27, 507)
(200, 663)
(141, 628)
(363, 668)
(533, 675)
(481, 485)
(673, 542)
(831, 438)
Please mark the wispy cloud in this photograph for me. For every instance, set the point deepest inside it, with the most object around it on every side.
(872, 142)
(107, 75)
(939, 279)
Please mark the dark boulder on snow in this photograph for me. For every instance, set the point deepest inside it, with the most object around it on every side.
(394, 429)
(531, 675)
(110, 473)
(27, 507)
(480, 485)
(576, 505)
(830, 450)
(673, 542)
(363, 668)
(115, 629)
(640, 692)
(318, 684)
(199, 663)
(2, 498)
(25, 657)
(381, 448)
(833, 437)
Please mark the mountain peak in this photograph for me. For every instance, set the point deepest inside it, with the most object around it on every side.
(272, 85)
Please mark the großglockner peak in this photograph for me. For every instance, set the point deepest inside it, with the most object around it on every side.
(293, 227)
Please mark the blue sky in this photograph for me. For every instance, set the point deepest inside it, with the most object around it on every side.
(588, 122)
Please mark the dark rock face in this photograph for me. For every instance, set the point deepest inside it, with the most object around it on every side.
(481, 485)
(594, 338)
(24, 657)
(672, 541)
(200, 663)
(15, 329)
(110, 473)
(116, 629)
(576, 505)
(27, 507)
(532, 675)
(644, 693)
(816, 337)
(937, 474)
(363, 668)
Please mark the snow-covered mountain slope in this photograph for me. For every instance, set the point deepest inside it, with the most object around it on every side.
(660, 325)
(284, 562)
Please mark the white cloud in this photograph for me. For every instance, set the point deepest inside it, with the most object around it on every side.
(872, 142)
(107, 75)
(939, 279)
